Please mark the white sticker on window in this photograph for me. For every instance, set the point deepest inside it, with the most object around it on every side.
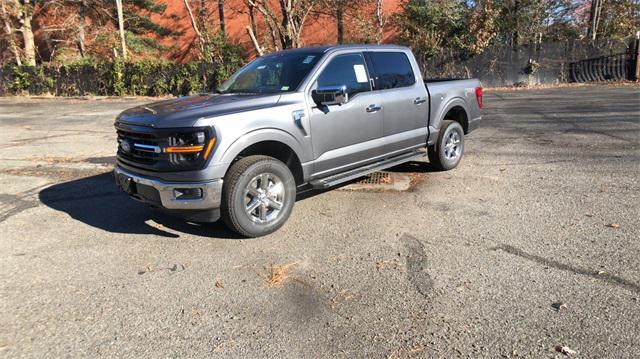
(361, 73)
(308, 59)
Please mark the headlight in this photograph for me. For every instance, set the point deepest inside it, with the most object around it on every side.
(186, 149)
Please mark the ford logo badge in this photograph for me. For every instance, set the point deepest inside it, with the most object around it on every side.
(126, 146)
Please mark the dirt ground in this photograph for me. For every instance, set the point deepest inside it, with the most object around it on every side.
(530, 245)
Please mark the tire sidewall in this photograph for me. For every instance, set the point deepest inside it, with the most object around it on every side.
(237, 197)
(446, 163)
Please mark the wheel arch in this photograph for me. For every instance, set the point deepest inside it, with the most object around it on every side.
(456, 110)
(269, 142)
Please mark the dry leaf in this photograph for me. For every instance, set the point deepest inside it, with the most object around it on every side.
(565, 350)
(219, 283)
(613, 225)
(559, 306)
(279, 273)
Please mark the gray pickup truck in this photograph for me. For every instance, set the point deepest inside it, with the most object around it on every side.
(290, 120)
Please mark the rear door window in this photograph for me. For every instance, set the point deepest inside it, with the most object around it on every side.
(392, 70)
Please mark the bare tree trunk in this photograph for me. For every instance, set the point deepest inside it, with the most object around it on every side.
(288, 26)
(123, 42)
(252, 19)
(9, 30)
(81, 32)
(254, 41)
(380, 20)
(594, 18)
(340, 20)
(221, 17)
(194, 25)
(202, 16)
(25, 16)
(516, 29)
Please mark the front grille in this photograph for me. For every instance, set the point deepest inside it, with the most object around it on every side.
(140, 145)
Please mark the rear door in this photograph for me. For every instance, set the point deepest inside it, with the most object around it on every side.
(348, 135)
(406, 104)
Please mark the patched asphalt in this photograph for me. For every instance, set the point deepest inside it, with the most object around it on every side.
(531, 244)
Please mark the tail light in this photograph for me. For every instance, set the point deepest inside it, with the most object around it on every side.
(479, 94)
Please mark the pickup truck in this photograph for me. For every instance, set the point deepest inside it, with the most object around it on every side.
(288, 121)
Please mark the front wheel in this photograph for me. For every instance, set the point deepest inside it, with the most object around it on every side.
(257, 196)
(447, 151)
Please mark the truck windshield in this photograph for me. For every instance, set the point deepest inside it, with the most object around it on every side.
(276, 73)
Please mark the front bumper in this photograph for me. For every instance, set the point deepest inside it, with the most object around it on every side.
(145, 190)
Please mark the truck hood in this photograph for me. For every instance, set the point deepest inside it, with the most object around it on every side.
(185, 111)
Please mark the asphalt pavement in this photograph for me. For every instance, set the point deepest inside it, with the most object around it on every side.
(530, 245)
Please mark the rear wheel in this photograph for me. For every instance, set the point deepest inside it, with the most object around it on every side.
(447, 151)
(257, 196)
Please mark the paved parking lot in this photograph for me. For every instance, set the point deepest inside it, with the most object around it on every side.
(532, 243)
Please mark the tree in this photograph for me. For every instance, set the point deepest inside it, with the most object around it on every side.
(361, 21)
(482, 27)
(20, 12)
(613, 18)
(8, 28)
(223, 31)
(431, 26)
(381, 19)
(285, 23)
(123, 42)
(202, 41)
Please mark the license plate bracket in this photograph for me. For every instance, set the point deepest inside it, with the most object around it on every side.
(126, 184)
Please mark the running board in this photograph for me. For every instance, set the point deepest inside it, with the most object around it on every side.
(334, 180)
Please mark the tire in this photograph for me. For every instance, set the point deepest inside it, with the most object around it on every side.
(264, 184)
(446, 153)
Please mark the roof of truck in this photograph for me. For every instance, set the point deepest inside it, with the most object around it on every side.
(327, 48)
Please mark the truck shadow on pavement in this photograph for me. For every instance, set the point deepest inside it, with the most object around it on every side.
(97, 201)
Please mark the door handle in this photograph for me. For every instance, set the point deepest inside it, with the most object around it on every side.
(419, 101)
(373, 108)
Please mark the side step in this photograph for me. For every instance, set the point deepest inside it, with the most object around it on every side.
(336, 179)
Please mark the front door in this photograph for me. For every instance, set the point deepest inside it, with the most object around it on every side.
(348, 135)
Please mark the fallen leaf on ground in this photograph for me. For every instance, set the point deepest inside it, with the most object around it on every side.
(380, 265)
(219, 283)
(565, 350)
(342, 296)
(613, 225)
(279, 273)
(559, 306)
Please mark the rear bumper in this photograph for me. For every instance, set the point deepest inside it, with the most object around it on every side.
(163, 194)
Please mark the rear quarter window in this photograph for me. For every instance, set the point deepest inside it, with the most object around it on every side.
(392, 70)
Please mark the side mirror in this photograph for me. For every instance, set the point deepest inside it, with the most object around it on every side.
(330, 95)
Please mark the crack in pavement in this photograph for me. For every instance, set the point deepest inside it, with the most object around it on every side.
(609, 278)
(16, 203)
